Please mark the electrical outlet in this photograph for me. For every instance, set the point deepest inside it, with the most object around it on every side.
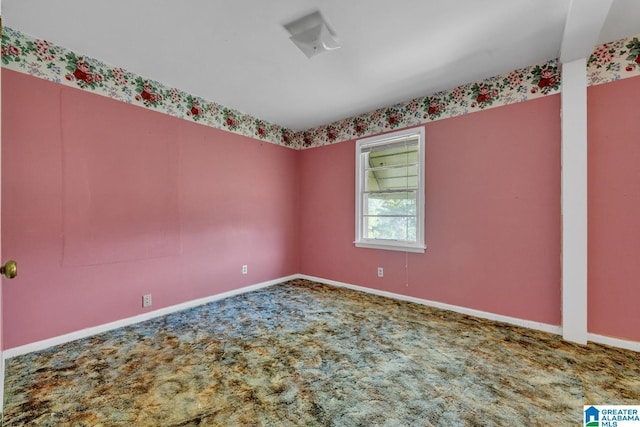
(146, 300)
(380, 272)
(244, 269)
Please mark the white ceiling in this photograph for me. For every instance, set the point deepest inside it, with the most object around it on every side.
(237, 53)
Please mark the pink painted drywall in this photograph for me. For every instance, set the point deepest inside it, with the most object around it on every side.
(492, 215)
(120, 190)
(614, 209)
(213, 201)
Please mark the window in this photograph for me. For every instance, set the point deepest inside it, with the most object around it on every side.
(390, 191)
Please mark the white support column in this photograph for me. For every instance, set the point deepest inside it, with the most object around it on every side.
(574, 201)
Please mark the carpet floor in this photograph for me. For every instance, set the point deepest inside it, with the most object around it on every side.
(307, 354)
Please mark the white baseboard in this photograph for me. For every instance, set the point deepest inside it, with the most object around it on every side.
(614, 342)
(83, 333)
(554, 329)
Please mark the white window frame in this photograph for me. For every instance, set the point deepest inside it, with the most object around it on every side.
(395, 245)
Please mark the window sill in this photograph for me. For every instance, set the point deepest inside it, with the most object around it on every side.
(392, 246)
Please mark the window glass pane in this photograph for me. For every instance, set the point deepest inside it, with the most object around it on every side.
(391, 228)
(393, 156)
(391, 204)
(394, 178)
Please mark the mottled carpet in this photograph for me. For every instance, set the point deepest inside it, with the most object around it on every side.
(306, 354)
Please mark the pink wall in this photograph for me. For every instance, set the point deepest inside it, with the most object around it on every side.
(104, 202)
(614, 209)
(492, 215)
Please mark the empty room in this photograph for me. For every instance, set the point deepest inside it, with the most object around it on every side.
(320, 213)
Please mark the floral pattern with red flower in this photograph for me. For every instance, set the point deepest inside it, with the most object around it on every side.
(634, 50)
(119, 76)
(148, 93)
(44, 50)
(483, 94)
(393, 117)
(434, 107)
(332, 133)
(360, 126)
(546, 78)
(288, 137)
(307, 138)
(82, 73)
(231, 120)
(514, 80)
(10, 50)
(261, 127)
(603, 56)
(194, 108)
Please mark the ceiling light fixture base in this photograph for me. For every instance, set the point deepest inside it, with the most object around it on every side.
(312, 35)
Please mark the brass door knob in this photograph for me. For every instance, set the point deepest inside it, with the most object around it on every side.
(9, 269)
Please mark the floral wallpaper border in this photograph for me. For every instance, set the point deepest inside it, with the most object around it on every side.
(43, 59)
(609, 62)
(39, 58)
